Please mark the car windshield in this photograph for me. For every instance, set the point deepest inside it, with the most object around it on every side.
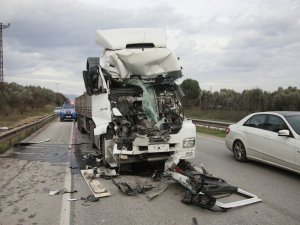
(294, 121)
(68, 106)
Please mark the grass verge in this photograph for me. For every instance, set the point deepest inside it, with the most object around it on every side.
(214, 132)
(15, 119)
(217, 115)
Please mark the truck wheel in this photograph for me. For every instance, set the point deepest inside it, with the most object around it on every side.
(79, 125)
(92, 137)
(102, 149)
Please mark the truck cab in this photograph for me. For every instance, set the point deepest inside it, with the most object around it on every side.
(132, 106)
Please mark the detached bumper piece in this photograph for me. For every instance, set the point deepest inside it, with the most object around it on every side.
(204, 189)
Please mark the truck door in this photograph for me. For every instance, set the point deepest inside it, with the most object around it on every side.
(101, 109)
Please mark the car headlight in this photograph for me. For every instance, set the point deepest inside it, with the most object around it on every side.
(189, 143)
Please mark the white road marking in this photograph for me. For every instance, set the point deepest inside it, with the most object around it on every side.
(65, 213)
(26, 153)
(211, 139)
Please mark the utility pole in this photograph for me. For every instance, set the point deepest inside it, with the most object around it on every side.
(56, 87)
(2, 27)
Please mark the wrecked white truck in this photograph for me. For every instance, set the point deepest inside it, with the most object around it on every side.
(131, 108)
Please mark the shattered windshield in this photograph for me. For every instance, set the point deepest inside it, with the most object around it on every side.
(294, 121)
(149, 104)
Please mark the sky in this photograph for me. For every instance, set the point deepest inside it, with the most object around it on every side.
(230, 44)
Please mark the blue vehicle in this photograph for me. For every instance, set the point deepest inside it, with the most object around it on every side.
(68, 112)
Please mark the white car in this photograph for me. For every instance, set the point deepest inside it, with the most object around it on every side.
(269, 137)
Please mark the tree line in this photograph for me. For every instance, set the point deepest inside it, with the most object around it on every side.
(19, 99)
(252, 100)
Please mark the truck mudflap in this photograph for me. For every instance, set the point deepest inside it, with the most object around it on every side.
(205, 190)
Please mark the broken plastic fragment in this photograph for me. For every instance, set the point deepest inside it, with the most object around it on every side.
(72, 199)
(55, 192)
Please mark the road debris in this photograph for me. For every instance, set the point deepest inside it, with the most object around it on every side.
(90, 198)
(72, 199)
(133, 189)
(55, 192)
(71, 192)
(4, 128)
(203, 189)
(125, 188)
(157, 191)
(31, 143)
(95, 185)
(194, 221)
(92, 160)
(104, 172)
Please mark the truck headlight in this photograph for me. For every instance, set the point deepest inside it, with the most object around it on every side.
(189, 143)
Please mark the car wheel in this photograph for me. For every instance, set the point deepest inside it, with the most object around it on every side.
(239, 151)
(102, 149)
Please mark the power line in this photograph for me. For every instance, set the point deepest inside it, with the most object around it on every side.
(2, 27)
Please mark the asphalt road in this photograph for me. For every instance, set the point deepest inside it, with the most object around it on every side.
(28, 173)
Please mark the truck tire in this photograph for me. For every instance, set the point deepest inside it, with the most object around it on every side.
(92, 144)
(79, 125)
(102, 150)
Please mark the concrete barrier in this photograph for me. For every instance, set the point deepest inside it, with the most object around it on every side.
(15, 135)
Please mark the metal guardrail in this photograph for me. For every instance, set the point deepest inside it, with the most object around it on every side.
(15, 135)
(210, 123)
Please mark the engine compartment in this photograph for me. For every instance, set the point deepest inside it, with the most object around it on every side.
(146, 109)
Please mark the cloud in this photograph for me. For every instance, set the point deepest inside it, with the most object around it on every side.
(223, 44)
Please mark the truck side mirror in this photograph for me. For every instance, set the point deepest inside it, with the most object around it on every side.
(93, 81)
(87, 83)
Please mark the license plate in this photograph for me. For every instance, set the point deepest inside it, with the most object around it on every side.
(158, 148)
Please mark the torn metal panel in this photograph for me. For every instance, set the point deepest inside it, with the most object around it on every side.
(147, 63)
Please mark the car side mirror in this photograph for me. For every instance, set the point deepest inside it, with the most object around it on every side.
(284, 133)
